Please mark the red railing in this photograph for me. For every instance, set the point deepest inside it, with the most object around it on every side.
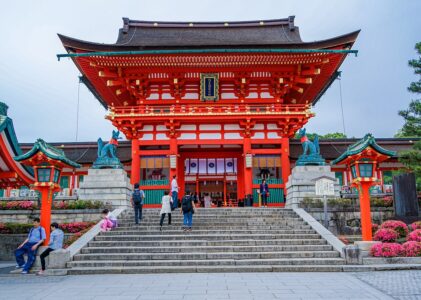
(208, 109)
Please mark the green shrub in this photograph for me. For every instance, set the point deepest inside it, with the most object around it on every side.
(14, 228)
(343, 202)
(312, 202)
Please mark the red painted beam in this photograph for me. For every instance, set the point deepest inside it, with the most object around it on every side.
(5, 175)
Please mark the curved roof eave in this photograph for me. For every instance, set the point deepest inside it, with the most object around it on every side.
(73, 44)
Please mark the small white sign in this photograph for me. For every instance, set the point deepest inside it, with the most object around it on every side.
(173, 161)
(249, 160)
(325, 187)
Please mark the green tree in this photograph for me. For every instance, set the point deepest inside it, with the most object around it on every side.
(412, 127)
(334, 135)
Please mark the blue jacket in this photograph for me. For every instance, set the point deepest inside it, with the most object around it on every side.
(56, 239)
(264, 189)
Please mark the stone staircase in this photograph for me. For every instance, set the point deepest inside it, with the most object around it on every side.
(222, 240)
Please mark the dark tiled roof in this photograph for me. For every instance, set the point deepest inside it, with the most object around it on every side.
(331, 149)
(143, 35)
(48, 150)
(164, 34)
(86, 152)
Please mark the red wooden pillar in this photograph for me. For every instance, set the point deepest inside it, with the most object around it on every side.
(248, 171)
(240, 178)
(45, 214)
(180, 176)
(225, 191)
(380, 178)
(135, 173)
(72, 184)
(8, 191)
(349, 177)
(365, 211)
(285, 163)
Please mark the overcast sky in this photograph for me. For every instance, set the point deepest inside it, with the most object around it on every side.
(42, 92)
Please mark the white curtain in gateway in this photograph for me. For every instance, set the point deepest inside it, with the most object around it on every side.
(211, 166)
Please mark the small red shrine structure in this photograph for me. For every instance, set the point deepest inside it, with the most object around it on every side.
(48, 163)
(214, 103)
(363, 159)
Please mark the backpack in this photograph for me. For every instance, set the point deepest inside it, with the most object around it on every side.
(137, 197)
(186, 205)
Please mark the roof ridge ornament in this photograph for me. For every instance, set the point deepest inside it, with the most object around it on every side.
(3, 109)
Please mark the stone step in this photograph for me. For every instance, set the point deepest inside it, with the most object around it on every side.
(128, 223)
(208, 236)
(222, 240)
(177, 227)
(179, 230)
(255, 212)
(206, 249)
(201, 215)
(214, 221)
(205, 269)
(199, 255)
(221, 262)
(175, 243)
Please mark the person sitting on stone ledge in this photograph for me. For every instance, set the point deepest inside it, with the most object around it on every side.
(29, 246)
(56, 242)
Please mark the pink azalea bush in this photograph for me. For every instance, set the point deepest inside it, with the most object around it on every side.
(400, 227)
(416, 225)
(75, 226)
(411, 249)
(18, 205)
(415, 236)
(386, 235)
(386, 250)
(27, 205)
(60, 205)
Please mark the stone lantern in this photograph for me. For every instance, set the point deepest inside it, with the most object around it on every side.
(363, 159)
(48, 163)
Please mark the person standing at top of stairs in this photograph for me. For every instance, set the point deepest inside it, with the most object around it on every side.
(174, 192)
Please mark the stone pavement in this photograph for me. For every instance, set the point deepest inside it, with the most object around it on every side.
(244, 286)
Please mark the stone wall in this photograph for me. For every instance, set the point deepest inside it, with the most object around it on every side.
(59, 216)
(343, 221)
(9, 242)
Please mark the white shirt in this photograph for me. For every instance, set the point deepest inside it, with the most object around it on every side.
(174, 186)
(166, 204)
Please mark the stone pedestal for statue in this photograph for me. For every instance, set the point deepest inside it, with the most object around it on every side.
(301, 183)
(111, 186)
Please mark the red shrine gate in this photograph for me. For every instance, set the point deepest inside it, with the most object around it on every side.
(213, 103)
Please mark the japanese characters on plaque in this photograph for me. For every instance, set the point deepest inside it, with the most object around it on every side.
(209, 87)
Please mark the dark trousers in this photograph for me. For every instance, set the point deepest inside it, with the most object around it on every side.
(43, 256)
(25, 249)
(137, 213)
(264, 199)
(163, 217)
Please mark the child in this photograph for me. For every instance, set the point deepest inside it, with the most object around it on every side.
(112, 218)
(106, 223)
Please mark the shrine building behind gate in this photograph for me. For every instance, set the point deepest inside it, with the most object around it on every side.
(214, 103)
